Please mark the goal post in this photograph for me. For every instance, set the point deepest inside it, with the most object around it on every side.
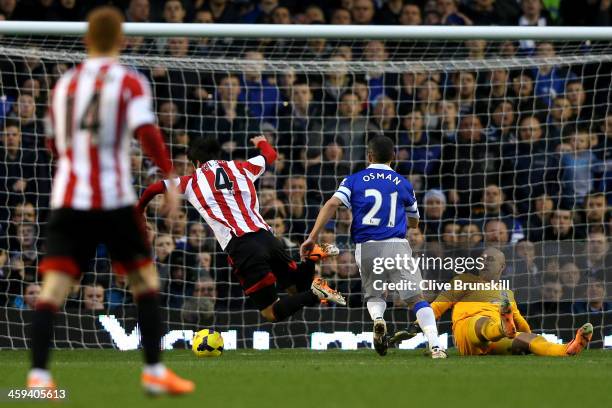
(504, 132)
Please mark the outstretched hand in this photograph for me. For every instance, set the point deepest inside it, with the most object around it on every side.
(257, 139)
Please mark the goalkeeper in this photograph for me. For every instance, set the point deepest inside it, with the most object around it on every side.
(488, 322)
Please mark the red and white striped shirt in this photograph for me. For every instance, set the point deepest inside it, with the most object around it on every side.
(224, 194)
(94, 110)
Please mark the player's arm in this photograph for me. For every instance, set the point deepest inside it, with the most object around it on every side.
(265, 149)
(161, 187)
(519, 320)
(141, 122)
(255, 166)
(326, 213)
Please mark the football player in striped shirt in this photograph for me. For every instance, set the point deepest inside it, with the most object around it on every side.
(224, 194)
(95, 110)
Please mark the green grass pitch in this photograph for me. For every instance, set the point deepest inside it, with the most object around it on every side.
(347, 379)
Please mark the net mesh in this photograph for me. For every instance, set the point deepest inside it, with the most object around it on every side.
(506, 144)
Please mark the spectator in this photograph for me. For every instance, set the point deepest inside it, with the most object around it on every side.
(320, 184)
(223, 11)
(538, 217)
(429, 96)
(390, 12)
(138, 11)
(261, 12)
(260, 96)
(596, 299)
(31, 128)
(295, 200)
(164, 246)
(529, 170)
(281, 15)
(496, 234)
(549, 79)
(199, 309)
(559, 118)
(18, 173)
(314, 15)
(471, 235)
(523, 97)
(28, 300)
(181, 279)
(299, 122)
(377, 81)
(410, 15)
(417, 152)
(348, 282)
(525, 271)
(464, 164)
(596, 214)
(597, 260)
(466, 93)
(197, 240)
(571, 279)
(363, 12)
(561, 227)
(581, 108)
(449, 120)
(533, 14)
(580, 167)
(335, 84)
(434, 214)
(174, 12)
(226, 118)
(349, 128)
(449, 13)
(492, 12)
(93, 297)
(278, 228)
(502, 130)
(383, 119)
(451, 235)
(494, 206)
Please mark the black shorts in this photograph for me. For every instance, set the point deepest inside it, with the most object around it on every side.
(73, 235)
(260, 262)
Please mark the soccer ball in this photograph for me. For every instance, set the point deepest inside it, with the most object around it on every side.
(207, 343)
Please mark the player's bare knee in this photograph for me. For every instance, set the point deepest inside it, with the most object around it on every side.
(144, 279)
(55, 288)
(414, 300)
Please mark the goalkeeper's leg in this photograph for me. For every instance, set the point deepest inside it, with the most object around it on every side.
(525, 343)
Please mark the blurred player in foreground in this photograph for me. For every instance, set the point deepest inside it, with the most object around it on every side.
(381, 200)
(488, 321)
(95, 110)
(224, 194)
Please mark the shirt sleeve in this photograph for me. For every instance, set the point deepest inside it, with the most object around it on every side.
(412, 209)
(255, 166)
(140, 103)
(344, 193)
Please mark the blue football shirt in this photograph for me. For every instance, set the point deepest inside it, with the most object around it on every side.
(380, 200)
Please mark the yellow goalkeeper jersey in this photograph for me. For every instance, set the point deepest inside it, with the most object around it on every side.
(468, 302)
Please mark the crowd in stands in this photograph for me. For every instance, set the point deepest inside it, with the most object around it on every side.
(514, 158)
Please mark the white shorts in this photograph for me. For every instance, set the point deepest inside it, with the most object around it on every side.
(387, 266)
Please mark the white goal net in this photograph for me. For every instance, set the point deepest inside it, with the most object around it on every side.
(507, 143)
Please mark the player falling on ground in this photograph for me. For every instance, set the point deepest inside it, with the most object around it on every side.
(95, 110)
(224, 194)
(488, 322)
(381, 201)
